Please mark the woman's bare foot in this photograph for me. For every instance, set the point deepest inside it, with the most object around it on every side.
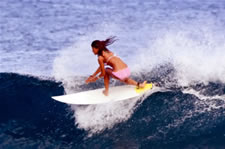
(142, 85)
(106, 93)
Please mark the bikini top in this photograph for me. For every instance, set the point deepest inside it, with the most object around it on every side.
(108, 59)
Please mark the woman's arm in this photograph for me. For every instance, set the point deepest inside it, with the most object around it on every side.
(97, 71)
(93, 77)
(102, 68)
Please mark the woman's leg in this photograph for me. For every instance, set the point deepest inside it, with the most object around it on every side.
(106, 83)
(127, 80)
(106, 80)
(133, 82)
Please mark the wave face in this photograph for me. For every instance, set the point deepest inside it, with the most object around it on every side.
(175, 118)
(45, 51)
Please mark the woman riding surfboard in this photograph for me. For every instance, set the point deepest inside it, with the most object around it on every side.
(118, 69)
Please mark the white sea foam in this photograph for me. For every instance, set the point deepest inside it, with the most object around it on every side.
(197, 55)
(96, 118)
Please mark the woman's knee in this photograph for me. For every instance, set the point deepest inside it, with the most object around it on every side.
(108, 70)
(126, 80)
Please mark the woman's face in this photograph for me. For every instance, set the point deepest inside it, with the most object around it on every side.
(95, 50)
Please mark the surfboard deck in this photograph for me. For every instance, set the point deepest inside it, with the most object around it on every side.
(96, 96)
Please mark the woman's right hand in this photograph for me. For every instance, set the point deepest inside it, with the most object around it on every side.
(91, 79)
(88, 80)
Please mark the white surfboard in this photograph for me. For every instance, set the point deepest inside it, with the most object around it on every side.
(96, 96)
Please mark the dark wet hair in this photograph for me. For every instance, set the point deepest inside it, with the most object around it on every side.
(102, 45)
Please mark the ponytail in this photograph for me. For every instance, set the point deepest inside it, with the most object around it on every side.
(109, 41)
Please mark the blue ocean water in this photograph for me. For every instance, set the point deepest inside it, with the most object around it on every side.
(45, 51)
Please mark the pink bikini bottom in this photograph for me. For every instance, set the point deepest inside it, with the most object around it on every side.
(122, 74)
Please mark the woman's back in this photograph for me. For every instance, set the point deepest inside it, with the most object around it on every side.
(114, 61)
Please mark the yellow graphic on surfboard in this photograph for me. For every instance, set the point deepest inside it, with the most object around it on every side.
(148, 86)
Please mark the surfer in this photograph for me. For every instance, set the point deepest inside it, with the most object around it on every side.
(117, 68)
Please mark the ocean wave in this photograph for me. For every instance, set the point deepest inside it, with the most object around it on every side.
(28, 113)
(165, 119)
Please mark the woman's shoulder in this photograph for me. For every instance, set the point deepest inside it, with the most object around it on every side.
(100, 57)
(107, 53)
(104, 54)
